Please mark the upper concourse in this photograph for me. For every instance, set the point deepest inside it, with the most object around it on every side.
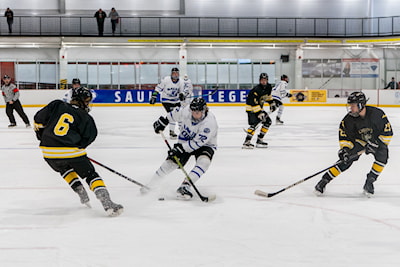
(281, 39)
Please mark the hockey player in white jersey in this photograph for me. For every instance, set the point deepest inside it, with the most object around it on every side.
(172, 93)
(197, 137)
(76, 83)
(278, 93)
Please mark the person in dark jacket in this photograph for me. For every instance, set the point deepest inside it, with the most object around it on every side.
(392, 84)
(9, 14)
(100, 16)
(64, 131)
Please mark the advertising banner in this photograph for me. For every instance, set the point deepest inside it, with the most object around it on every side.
(143, 96)
(308, 96)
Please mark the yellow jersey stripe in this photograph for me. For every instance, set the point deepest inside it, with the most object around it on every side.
(254, 109)
(62, 152)
(345, 143)
(97, 183)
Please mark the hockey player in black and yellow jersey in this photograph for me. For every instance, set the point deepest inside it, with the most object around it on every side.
(64, 131)
(256, 114)
(363, 128)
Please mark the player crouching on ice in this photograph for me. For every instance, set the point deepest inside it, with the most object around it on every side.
(363, 128)
(198, 138)
(64, 131)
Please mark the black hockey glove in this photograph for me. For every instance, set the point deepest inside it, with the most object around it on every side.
(344, 154)
(160, 124)
(289, 95)
(182, 97)
(272, 106)
(371, 147)
(177, 151)
(262, 115)
(153, 98)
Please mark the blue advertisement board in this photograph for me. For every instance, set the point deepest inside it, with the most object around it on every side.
(143, 96)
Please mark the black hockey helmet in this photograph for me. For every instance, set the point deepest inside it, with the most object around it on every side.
(198, 104)
(174, 69)
(358, 98)
(284, 76)
(81, 97)
(76, 81)
(263, 76)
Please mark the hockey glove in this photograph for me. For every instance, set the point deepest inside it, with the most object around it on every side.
(272, 106)
(177, 151)
(182, 97)
(160, 124)
(289, 95)
(262, 116)
(371, 147)
(153, 98)
(344, 154)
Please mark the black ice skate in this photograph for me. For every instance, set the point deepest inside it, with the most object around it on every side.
(110, 207)
(80, 190)
(278, 120)
(172, 134)
(320, 187)
(12, 125)
(183, 192)
(369, 186)
(247, 145)
(261, 144)
(27, 125)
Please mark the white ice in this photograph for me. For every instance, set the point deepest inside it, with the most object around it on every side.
(42, 222)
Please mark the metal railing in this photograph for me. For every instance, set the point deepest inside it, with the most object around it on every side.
(204, 27)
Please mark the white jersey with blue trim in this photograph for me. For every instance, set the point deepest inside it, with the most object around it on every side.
(169, 90)
(194, 135)
(279, 91)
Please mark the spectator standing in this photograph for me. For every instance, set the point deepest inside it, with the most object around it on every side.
(100, 16)
(9, 14)
(114, 19)
(392, 84)
(11, 97)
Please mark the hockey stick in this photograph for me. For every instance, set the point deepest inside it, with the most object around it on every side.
(203, 198)
(268, 195)
(210, 93)
(117, 173)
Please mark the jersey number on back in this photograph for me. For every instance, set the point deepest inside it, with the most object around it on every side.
(62, 125)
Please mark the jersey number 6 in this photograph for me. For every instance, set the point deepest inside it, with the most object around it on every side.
(62, 126)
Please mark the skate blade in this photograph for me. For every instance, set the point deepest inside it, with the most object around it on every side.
(317, 193)
(261, 146)
(247, 147)
(367, 194)
(114, 213)
(183, 197)
(87, 204)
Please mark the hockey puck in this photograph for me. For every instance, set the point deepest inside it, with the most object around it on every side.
(161, 198)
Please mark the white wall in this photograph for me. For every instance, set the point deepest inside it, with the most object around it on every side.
(121, 5)
(29, 4)
(278, 8)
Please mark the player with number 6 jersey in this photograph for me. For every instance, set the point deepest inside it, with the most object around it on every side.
(64, 131)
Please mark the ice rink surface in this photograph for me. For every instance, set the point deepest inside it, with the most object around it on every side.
(42, 222)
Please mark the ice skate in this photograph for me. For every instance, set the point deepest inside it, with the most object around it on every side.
(80, 190)
(183, 192)
(320, 187)
(261, 144)
(369, 187)
(110, 207)
(12, 125)
(27, 125)
(172, 135)
(278, 121)
(247, 145)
